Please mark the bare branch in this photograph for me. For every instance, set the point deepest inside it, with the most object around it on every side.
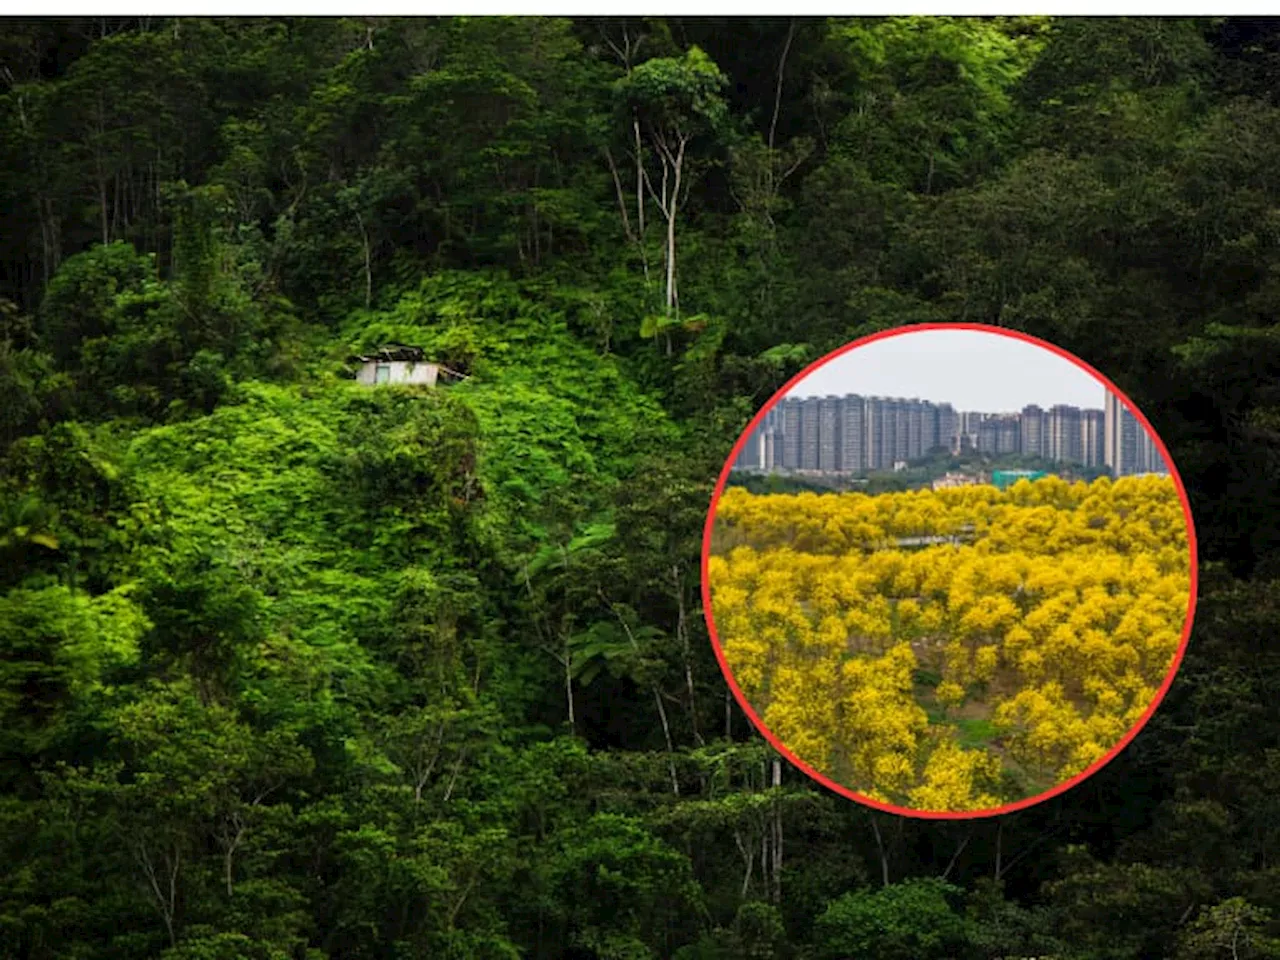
(956, 856)
(617, 186)
(777, 93)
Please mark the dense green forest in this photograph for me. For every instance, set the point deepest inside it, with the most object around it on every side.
(294, 668)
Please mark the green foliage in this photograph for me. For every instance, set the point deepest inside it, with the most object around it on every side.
(625, 893)
(1233, 926)
(80, 302)
(677, 92)
(912, 919)
(934, 95)
(61, 650)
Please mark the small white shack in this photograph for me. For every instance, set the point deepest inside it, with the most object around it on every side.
(397, 363)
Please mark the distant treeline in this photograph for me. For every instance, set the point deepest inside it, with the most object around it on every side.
(920, 473)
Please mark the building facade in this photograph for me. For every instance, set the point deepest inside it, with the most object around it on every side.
(789, 428)
(1092, 437)
(809, 408)
(1121, 448)
(853, 434)
(948, 428)
(830, 435)
(1032, 427)
(1064, 441)
(1127, 447)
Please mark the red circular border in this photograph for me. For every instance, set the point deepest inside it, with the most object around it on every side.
(845, 791)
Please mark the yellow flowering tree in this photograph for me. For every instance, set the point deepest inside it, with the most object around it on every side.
(1054, 623)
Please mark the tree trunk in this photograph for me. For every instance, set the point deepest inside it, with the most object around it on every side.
(228, 862)
(657, 699)
(999, 839)
(637, 240)
(777, 830)
(567, 660)
(748, 857)
(115, 204)
(880, 849)
(673, 298)
(46, 239)
(163, 887)
(368, 262)
(666, 732)
(765, 869)
(956, 856)
(635, 128)
(683, 633)
(101, 174)
(777, 101)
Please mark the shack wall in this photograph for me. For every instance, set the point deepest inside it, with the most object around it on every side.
(401, 371)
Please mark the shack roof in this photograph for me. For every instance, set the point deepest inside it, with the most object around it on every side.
(389, 352)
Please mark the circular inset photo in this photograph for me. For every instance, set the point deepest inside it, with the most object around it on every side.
(949, 570)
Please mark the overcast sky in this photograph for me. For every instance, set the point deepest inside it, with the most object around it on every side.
(970, 369)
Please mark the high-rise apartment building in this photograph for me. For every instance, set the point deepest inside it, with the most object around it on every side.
(1127, 446)
(997, 434)
(789, 427)
(871, 431)
(970, 426)
(1063, 435)
(901, 430)
(1156, 462)
(1008, 434)
(1032, 429)
(986, 435)
(880, 434)
(809, 422)
(1121, 438)
(853, 434)
(752, 456)
(929, 440)
(770, 428)
(830, 434)
(1092, 437)
(948, 427)
(915, 448)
